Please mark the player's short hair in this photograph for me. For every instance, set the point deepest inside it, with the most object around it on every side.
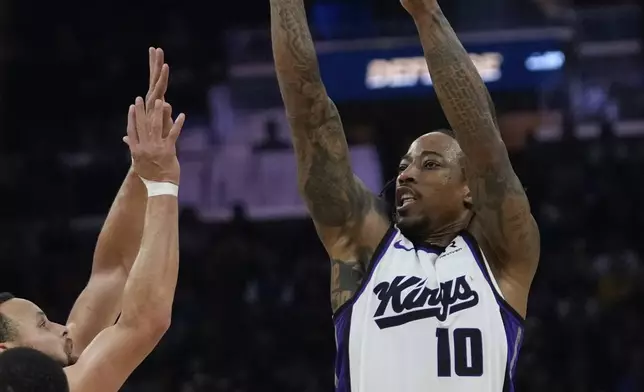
(447, 132)
(24, 369)
(7, 329)
(386, 194)
(450, 133)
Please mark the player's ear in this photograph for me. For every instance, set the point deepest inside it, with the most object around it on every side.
(467, 196)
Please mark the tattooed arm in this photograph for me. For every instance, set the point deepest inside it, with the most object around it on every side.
(349, 219)
(500, 203)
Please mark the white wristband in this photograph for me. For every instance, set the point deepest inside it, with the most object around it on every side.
(156, 188)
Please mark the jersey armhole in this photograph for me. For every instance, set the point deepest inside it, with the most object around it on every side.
(487, 273)
(379, 252)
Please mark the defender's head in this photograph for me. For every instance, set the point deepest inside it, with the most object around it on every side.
(431, 189)
(24, 369)
(23, 324)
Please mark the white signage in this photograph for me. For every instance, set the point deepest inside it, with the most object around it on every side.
(412, 71)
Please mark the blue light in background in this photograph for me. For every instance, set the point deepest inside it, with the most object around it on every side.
(331, 19)
(546, 61)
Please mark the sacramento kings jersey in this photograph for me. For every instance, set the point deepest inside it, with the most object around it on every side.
(427, 319)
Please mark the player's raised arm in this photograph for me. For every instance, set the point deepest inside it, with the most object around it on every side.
(499, 198)
(99, 303)
(349, 219)
(149, 292)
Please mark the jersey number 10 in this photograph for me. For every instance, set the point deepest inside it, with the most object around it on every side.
(468, 352)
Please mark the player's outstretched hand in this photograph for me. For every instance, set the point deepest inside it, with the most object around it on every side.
(159, 74)
(158, 86)
(154, 155)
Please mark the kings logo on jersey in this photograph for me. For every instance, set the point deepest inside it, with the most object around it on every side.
(420, 302)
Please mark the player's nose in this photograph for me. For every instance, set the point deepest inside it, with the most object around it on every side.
(63, 330)
(407, 176)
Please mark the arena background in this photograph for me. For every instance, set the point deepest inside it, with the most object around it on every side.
(252, 310)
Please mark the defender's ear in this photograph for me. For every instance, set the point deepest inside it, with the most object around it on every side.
(467, 196)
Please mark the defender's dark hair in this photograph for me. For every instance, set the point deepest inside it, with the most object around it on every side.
(7, 331)
(4, 297)
(24, 369)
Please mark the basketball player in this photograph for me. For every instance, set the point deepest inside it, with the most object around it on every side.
(145, 306)
(24, 369)
(436, 300)
(118, 244)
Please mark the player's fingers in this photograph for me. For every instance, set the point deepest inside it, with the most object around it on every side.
(131, 127)
(161, 85)
(157, 120)
(155, 71)
(152, 54)
(158, 63)
(160, 58)
(142, 127)
(167, 111)
(167, 119)
(176, 128)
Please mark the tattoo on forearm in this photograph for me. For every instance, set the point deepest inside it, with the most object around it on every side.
(295, 60)
(504, 206)
(334, 196)
(459, 87)
(498, 194)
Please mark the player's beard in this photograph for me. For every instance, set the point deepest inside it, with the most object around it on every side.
(416, 228)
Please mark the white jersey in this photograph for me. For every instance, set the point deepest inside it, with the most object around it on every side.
(427, 319)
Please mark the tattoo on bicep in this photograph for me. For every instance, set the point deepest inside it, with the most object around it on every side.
(505, 207)
(494, 184)
(329, 186)
(346, 277)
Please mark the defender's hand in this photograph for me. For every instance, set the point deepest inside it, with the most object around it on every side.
(154, 156)
(159, 73)
(158, 86)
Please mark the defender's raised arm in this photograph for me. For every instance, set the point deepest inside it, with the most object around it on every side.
(500, 203)
(349, 219)
(99, 304)
(149, 292)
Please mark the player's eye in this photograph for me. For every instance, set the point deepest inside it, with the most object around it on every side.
(431, 165)
(42, 324)
(402, 167)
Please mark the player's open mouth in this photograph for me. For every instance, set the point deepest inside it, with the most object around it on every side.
(405, 196)
(69, 346)
(406, 200)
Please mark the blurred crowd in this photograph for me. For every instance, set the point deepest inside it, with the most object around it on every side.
(252, 311)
